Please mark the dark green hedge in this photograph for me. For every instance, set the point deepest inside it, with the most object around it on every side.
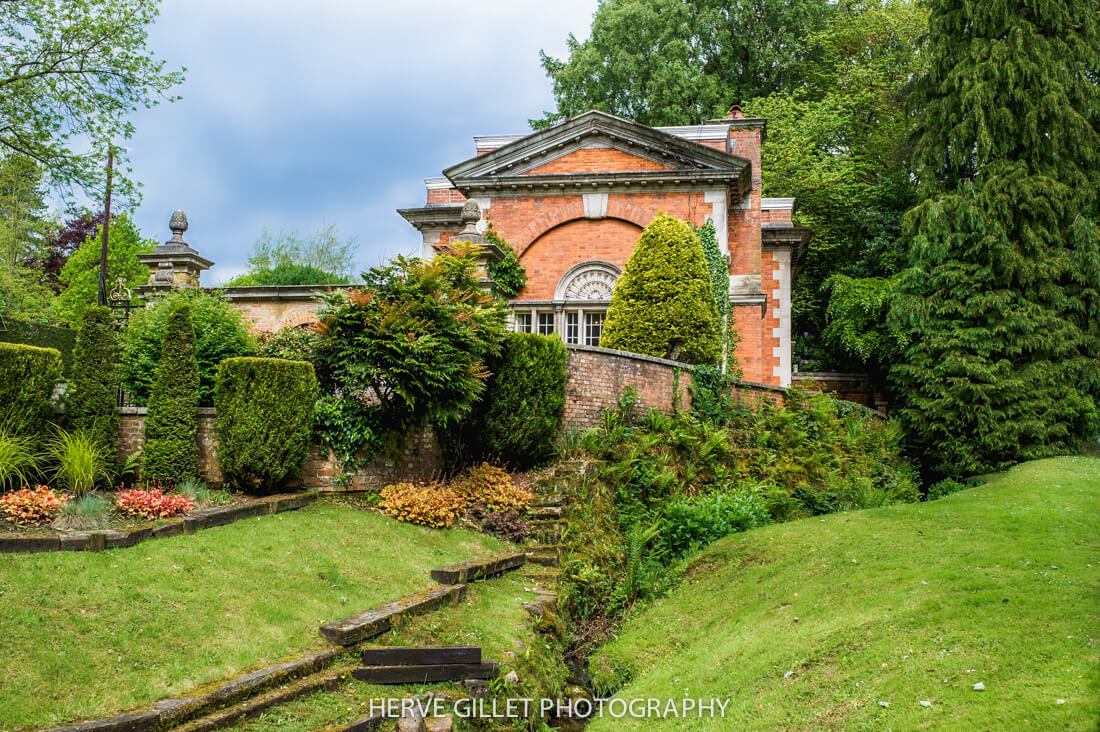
(28, 376)
(171, 451)
(522, 403)
(265, 420)
(93, 382)
(43, 336)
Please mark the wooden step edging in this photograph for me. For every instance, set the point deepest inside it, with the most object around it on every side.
(475, 569)
(419, 655)
(204, 518)
(426, 674)
(169, 713)
(358, 628)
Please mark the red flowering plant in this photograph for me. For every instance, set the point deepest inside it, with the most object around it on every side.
(33, 506)
(152, 503)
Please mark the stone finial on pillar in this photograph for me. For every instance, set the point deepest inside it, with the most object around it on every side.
(173, 264)
(488, 251)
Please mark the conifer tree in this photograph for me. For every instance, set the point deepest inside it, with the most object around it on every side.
(171, 425)
(93, 386)
(1002, 299)
(663, 303)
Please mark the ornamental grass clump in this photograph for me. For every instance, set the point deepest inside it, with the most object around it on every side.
(80, 460)
(432, 504)
(32, 506)
(18, 459)
(89, 511)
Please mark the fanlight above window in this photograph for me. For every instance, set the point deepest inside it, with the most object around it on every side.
(588, 281)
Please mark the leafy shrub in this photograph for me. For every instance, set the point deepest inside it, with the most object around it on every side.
(663, 304)
(432, 504)
(507, 273)
(18, 460)
(28, 376)
(293, 344)
(492, 487)
(172, 421)
(286, 274)
(507, 525)
(153, 504)
(63, 340)
(691, 524)
(220, 332)
(945, 487)
(412, 343)
(520, 411)
(93, 385)
(80, 460)
(88, 511)
(32, 506)
(265, 419)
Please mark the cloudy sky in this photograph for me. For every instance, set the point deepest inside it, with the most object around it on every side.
(297, 114)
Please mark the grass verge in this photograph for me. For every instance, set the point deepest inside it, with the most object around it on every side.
(852, 620)
(89, 634)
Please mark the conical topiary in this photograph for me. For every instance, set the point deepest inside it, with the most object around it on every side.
(171, 425)
(663, 303)
(93, 384)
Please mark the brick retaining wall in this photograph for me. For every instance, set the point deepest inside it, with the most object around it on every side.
(595, 377)
(850, 387)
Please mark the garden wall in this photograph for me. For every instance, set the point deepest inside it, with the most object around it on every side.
(850, 387)
(595, 377)
(418, 458)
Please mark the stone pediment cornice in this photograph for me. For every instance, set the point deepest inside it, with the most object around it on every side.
(597, 129)
(576, 183)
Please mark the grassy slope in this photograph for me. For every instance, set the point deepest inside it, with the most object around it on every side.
(488, 618)
(85, 635)
(999, 584)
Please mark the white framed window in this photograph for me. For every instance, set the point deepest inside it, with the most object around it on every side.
(572, 328)
(546, 323)
(523, 322)
(593, 328)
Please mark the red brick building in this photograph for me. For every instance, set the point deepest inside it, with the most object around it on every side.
(573, 199)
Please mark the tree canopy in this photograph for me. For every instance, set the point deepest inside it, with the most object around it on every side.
(1001, 301)
(289, 258)
(670, 62)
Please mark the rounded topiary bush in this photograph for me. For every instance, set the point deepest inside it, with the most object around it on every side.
(93, 384)
(171, 451)
(663, 304)
(265, 420)
(28, 377)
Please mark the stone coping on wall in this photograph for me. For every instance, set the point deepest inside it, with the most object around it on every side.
(674, 364)
(143, 411)
(279, 292)
(204, 518)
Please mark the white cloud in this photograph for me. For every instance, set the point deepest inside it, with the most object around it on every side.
(298, 113)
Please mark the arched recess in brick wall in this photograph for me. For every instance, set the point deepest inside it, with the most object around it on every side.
(571, 243)
(574, 211)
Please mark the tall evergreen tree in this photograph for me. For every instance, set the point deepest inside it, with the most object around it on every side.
(93, 385)
(1002, 299)
(172, 424)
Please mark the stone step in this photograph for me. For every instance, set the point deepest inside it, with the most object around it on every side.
(544, 512)
(546, 531)
(359, 628)
(426, 674)
(420, 655)
(475, 569)
(551, 499)
(547, 556)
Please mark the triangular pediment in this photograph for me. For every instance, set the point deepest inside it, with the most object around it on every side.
(536, 153)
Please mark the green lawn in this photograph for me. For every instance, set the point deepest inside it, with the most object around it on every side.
(89, 634)
(488, 618)
(811, 624)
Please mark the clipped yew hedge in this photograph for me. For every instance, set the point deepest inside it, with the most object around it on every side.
(94, 379)
(264, 420)
(171, 451)
(28, 376)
